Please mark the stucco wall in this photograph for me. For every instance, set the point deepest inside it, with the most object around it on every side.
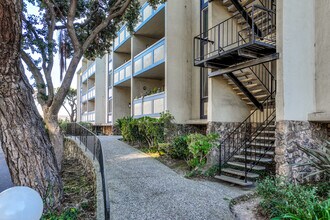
(100, 90)
(121, 99)
(142, 86)
(322, 59)
(296, 65)
(178, 59)
(224, 104)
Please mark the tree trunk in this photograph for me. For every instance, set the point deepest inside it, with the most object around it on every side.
(55, 134)
(24, 140)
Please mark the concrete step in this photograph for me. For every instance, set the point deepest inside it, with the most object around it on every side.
(258, 97)
(246, 80)
(261, 144)
(232, 8)
(258, 151)
(239, 173)
(252, 158)
(253, 91)
(234, 180)
(253, 85)
(242, 165)
(263, 138)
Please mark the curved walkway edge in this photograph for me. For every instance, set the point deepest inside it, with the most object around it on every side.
(141, 187)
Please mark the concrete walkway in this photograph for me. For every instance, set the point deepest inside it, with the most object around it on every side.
(141, 187)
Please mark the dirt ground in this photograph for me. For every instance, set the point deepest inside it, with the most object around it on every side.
(79, 189)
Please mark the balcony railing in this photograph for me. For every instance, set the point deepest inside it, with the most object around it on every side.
(122, 36)
(88, 116)
(257, 28)
(147, 13)
(88, 72)
(90, 94)
(151, 105)
(122, 73)
(150, 57)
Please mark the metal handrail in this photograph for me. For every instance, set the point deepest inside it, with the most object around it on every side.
(93, 144)
(228, 33)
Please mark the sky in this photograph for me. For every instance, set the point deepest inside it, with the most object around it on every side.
(56, 68)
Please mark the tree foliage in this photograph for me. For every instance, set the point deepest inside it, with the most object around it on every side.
(87, 28)
(70, 104)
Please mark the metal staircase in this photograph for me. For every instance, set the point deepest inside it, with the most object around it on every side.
(240, 49)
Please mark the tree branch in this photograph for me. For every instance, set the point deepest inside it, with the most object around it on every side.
(41, 86)
(106, 22)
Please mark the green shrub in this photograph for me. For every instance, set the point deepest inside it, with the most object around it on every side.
(144, 131)
(63, 125)
(87, 125)
(288, 201)
(179, 148)
(68, 214)
(199, 146)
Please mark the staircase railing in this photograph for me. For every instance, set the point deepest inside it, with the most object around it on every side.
(247, 133)
(229, 34)
(93, 144)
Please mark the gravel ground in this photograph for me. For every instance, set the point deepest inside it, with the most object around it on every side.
(141, 187)
(5, 180)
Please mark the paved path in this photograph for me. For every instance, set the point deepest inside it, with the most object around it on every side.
(141, 187)
(5, 179)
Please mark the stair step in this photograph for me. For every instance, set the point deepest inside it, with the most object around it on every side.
(263, 138)
(257, 97)
(256, 14)
(242, 165)
(247, 86)
(268, 132)
(261, 144)
(234, 180)
(233, 9)
(253, 91)
(239, 173)
(270, 102)
(243, 81)
(251, 158)
(270, 153)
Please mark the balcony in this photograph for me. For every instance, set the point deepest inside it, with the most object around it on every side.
(88, 116)
(90, 94)
(151, 105)
(90, 71)
(150, 58)
(146, 14)
(237, 39)
(123, 73)
(122, 37)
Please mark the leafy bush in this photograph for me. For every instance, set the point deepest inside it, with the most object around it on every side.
(179, 148)
(63, 125)
(144, 131)
(199, 146)
(318, 158)
(68, 214)
(285, 200)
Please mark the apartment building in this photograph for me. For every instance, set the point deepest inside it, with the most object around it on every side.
(254, 71)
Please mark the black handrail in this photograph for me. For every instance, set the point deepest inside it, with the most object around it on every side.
(229, 34)
(93, 144)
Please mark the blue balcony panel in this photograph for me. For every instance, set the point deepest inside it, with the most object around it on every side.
(152, 105)
(122, 73)
(90, 71)
(123, 36)
(147, 13)
(150, 58)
